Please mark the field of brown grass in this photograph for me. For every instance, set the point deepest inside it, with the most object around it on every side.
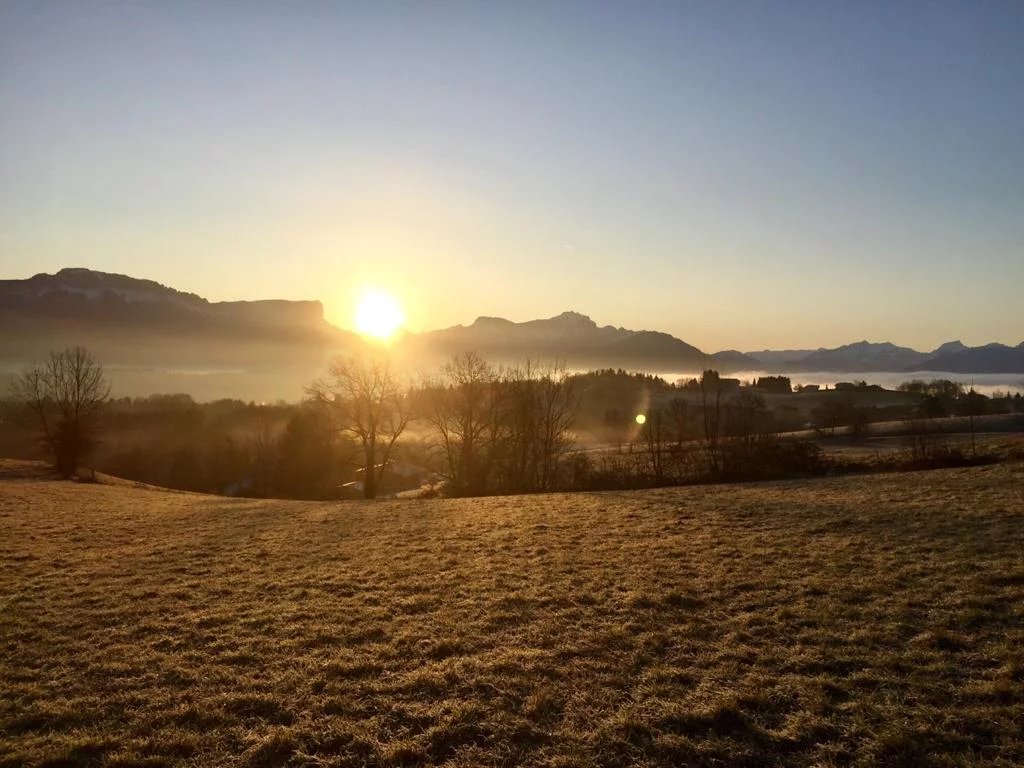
(872, 620)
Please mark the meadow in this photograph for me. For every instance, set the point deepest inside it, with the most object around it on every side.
(858, 620)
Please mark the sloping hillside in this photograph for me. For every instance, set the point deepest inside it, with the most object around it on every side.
(851, 621)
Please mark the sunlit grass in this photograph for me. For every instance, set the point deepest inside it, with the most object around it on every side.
(850, 621)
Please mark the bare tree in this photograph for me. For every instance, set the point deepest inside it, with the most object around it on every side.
(520, 417)
(363, 398)
(746, 416)
(711, 409)
(972, 398)
(559, 405)
(925, 438)
(465, 407)
(65, 395)
(655, 435)
(263, 445)
(681, 419)
(542, 405)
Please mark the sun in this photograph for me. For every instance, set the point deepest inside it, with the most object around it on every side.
(378, 315)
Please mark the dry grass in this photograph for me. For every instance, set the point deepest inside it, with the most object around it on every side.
(850, 621)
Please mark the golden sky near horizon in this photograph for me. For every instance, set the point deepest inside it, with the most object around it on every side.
(740, 180)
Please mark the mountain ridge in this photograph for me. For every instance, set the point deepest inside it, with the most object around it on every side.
(571, 336)
(864, 356)
(82, 301)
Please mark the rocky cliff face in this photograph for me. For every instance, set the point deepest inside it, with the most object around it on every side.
(90, 296)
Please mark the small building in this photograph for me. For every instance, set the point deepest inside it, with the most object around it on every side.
(729, 385)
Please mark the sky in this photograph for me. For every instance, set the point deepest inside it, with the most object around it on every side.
(742, 175)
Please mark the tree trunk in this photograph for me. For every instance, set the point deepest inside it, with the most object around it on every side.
(370, 472)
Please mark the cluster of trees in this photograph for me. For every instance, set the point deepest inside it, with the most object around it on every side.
(501, 430)
(236, 448)
(942, 397)
(510, 430)
(225, 447)
(841, 411)
(728, 434)
(482, 429)
(928, 438)
(492, 430)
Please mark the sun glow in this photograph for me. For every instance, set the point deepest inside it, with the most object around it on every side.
(378, 315)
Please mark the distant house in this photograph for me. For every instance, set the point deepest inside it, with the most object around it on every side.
(729, 385)
(774, 385)
(845, 386)
(809, 388)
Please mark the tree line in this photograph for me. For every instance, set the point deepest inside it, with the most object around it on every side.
(494, 430)
(481, 428)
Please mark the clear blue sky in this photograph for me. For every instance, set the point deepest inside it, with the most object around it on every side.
(745, 175)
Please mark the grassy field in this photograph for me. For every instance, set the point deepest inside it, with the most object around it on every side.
(874, 620)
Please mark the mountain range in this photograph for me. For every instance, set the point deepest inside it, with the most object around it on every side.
(573, 338)
(865, 356)
(129, 321)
